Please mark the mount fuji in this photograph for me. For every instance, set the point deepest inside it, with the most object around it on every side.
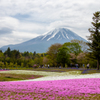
(41, 43)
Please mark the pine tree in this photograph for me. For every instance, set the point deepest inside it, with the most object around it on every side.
(94, 37)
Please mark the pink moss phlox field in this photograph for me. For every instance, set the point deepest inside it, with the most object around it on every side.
(51, 89)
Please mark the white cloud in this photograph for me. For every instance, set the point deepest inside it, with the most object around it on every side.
(23, 18)
(16, 37)
(8, 22)
(24, 35)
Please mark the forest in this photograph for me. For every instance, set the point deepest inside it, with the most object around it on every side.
(64, 55)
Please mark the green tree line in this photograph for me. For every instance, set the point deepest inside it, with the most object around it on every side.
(14, 58)
(56, 55)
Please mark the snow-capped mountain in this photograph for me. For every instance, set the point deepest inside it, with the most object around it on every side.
(41, 43)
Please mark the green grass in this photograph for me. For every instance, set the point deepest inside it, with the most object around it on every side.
(55, 69)
(16, 77)
(51, 69)
(19, 68)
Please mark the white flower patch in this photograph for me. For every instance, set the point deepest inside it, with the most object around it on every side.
(53, 75)
(66, 77)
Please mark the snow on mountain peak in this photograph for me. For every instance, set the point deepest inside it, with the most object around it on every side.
(53, 34)
(60, 32)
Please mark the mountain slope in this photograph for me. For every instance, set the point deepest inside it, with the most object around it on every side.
(41, 43)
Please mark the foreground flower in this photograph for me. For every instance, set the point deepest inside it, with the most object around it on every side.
(51, 90)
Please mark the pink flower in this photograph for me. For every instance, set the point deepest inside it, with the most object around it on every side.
(49, 89)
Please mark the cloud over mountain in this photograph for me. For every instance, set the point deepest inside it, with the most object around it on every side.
(41, 43)
(35, 17)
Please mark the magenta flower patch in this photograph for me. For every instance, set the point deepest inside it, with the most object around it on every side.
(43, 90)
(3, 70)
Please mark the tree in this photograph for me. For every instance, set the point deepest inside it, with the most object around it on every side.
(52, 53)
(72, 58)
(15, 54)
(73, 47)
(26, 55)
(94, 43)
(45, 60)
(1, 56)
(63, 55)
(7, 53)
(34, 53)
(6, 64)
(83, 44)
(15, 65)
(11, 64)
(1, 51)
(22, 64)
(38, 60)
(81, 58)
(1, 64)
(30, 63)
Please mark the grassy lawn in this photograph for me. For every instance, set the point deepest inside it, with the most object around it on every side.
(55, 69)
(16, 77)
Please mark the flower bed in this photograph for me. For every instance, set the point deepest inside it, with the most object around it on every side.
(3, 70)
(44, 73)
(71, 89)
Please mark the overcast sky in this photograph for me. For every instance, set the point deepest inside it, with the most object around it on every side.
(22, 20)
